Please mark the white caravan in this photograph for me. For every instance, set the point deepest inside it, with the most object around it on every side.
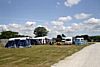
(69, 40)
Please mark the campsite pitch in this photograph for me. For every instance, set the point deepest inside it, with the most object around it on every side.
(37, 56)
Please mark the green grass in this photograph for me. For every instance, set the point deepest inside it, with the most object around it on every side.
(37, 56)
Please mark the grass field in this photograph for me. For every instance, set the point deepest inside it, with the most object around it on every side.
(37, 56)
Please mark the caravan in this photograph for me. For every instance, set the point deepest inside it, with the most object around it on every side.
(69, 40)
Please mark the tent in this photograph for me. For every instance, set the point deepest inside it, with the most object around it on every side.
(40, 40)
(18, 43)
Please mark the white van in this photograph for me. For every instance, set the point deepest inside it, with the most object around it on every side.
(80, 41)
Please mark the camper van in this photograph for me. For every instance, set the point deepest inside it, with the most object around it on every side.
(80, 41)
(69, 40)
(18, 42)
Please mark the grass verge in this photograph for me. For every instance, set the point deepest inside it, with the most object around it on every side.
(37, 56)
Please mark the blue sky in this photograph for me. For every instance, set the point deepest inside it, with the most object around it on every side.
(43, 12)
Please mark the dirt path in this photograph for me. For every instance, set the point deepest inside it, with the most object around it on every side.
(87, 57)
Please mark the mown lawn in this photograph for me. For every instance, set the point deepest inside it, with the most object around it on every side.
(37, 56)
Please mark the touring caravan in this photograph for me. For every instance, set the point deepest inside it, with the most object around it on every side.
(18, 42)
(69, 40)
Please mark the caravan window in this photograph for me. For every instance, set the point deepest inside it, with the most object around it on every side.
(77, 40)
(82, 39)
(68, 39)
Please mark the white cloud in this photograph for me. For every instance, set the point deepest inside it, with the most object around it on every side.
(84, 27)
(88, 26)
(57, 27)
(57, 23)
(96, 28)
(93, 25)
(75, 26)
(53, 33)
(39, 26)
(82, 16)
(48, 29)
(58, 3)
(65, 18)
(28, 23)
(70, 3)
(3, 28)
(69, 29)
(24, 29)
(92, 21)
(60, 21)
(13, 25)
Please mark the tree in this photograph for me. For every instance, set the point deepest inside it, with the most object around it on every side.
(8, 34)
(59, 38)
(63, 35)
(95, 38)
(40, 32)
(86, 37)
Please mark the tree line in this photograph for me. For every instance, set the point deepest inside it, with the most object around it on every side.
(42, 31)
(39, 32)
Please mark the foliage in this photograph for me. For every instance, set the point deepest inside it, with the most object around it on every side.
(40, 32)
(59, 38)
(95, 38)
(8, 34)
(86, 37)
(63, 35)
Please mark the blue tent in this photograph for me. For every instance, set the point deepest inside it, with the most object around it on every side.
(18, 43)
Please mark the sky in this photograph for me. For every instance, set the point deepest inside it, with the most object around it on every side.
(69, 17)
